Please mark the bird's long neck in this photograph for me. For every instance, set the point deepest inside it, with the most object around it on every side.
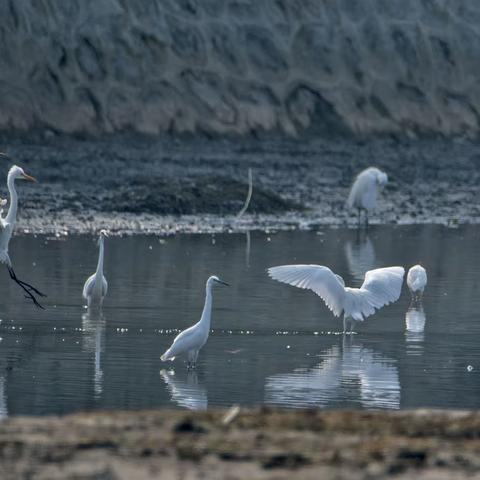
(99, 272)
(12, 211)
(207, 309)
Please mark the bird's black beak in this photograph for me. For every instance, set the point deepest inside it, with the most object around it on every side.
(223, 283)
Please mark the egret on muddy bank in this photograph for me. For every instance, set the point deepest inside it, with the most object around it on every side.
(417, 281)
(365, 189)
(7, 224)
(380, 287)
(191, 340)
(96, 286)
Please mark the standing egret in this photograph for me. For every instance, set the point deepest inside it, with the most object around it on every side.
(417, 281)
(380, 287)
(96, 286)
(364, 192)
(191, 340)
(7, 224)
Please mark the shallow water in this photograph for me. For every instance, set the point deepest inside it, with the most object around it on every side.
(271, 343)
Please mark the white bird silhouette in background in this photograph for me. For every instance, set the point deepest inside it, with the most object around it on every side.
(380, 287)
(7, 224)
(191, 340)
(96, 286)
(364, 192)
(417, 281)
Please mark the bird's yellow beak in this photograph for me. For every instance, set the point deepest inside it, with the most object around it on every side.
(29, 178)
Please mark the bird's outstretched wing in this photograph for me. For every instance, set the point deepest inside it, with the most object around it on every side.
(326, 284)
(380, 287)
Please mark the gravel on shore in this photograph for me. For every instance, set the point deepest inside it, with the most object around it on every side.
(238, 444)
(132, 184)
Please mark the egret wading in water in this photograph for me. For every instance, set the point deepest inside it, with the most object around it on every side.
(365, 189)
(417, 281)
(7, 224)
(96, 286)
(191, 340)
(380, 287)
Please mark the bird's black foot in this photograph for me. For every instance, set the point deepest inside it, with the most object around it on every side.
(27, 288)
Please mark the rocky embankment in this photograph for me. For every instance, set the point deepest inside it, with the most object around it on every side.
(241, 66)
(263, 444)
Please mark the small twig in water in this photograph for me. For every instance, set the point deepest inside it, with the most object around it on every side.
(249, 194)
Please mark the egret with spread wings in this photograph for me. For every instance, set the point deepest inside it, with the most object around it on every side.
(7, 225)
(380, 287)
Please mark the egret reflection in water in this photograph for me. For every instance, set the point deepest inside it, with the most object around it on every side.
(348, 372)
(3, 399)
(415, 320)
(188, 393)
(360, 255)
(93, 325)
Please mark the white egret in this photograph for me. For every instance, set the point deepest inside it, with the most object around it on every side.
(191, 340)
(364, 192)
(380, 287)
(7, 224)
(417, 281)
(96, 286)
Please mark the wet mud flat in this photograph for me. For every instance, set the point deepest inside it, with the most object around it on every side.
(263, 443)
(133, 184)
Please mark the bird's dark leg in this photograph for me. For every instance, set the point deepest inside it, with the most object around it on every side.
(359, 216)
(25, 284)
(27, 288)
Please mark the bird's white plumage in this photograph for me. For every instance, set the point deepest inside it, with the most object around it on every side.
(380, 287)
(7, 223)
(365, 188)
(88, 287)
(417, 279)
(96, 286)
(191, 340)
(326, 284)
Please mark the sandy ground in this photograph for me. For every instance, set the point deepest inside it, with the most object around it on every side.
(263, 444)
(138, 185)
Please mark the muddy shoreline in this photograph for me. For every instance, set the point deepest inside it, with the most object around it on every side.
(260, 443)
(131, 184)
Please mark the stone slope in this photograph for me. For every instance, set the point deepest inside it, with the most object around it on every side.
(241, 66)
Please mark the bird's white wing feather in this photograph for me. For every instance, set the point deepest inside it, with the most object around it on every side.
(380, 287)
(183, 342)
(87, 288)
(104, 287)
(321, 280)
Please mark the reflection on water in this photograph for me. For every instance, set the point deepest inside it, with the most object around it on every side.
(3, 399)
(415, 326)
(349, 373)
(186, 393)
(270, 343)
(360, 254)
(93, 326)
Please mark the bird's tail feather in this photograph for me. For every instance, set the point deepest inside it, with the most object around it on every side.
(167, 356)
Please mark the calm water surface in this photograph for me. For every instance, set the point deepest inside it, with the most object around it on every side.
(271, 343)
